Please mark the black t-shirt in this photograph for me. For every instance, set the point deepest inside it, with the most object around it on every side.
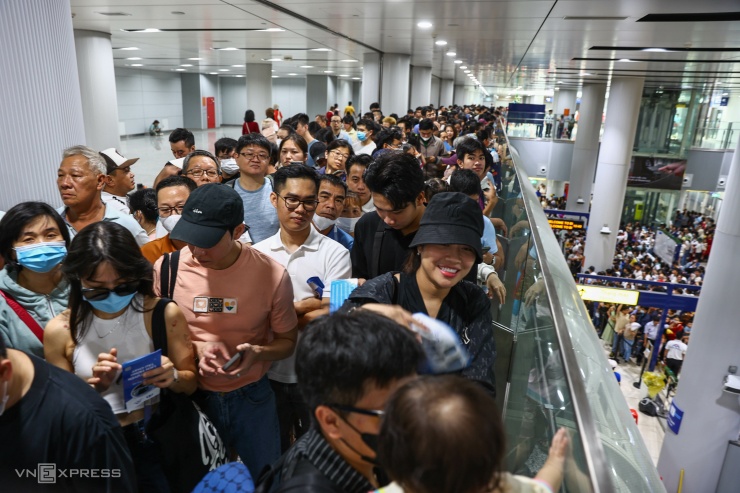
(63, 424)
(394, 247)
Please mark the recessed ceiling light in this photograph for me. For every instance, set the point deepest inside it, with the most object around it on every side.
(238, 76)
(134, 58)
(466, 71)
(343, 75)
(212, 73)
(292, 74)
(356, 78)
(656, 50)
(319, 49)
(195, 59)
(230, 48)
(559, 82)
(128, 48)
(137, 65)
(272, 59)
(349, 61)
(274, 76)
(424, 24)
(186, 65)
(463, 67)
(328, 71)
(725, 94)
(270, 30)
(451, 53)
(179, 70)
(238, 66)
(458, 61)
(306, 66)
(147, 30)
(441, 42)
(223, 70)
(625, 60)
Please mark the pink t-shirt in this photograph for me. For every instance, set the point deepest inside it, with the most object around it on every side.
(246, 302)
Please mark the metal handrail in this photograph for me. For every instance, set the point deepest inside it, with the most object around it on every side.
(593, 449)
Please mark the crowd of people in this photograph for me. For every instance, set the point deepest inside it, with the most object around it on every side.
(220, 276)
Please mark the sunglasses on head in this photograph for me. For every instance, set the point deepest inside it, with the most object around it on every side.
(99, 294)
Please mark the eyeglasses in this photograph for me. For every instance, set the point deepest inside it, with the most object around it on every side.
(339, 155)
(99, 294)
(167, 211)
(292, 203)
(351, 409)
(251, 155)
(197, 173)
(336, 121)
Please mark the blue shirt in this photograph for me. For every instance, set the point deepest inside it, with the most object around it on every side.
(259, 214)
(342, 237)
(111, 214)
(489, 236)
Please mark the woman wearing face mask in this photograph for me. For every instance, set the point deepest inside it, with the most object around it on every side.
(143, 205)
(293, 149)
(446, 247)
(109, 322)
(351, 213)
(33, 243)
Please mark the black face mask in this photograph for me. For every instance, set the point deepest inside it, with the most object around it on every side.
(369, 439)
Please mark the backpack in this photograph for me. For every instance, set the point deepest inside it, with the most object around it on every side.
(268, 130)
(303, 478)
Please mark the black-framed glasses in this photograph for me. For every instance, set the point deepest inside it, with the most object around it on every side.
(292, 203)
(167, 211)
(351, 409)
(251, 155)
(99, 294)
(339, 155)
(197, 173)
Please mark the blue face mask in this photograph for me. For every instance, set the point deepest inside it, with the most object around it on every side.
(41, 257)
(114, 303)
(361, 135)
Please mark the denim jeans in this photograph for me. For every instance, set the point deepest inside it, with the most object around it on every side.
(246, 419)
(627, 348)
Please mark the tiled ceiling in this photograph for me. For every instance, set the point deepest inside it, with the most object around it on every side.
(525, 45)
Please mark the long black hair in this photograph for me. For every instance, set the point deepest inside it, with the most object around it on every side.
(249, 116)
(97, 243)
(18, 218)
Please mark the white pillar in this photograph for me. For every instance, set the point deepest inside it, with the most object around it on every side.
(586, 148)
(344, 93)
(370, 82)
(565, 98)
(317, 95)
(395, 84)
(98, 89)
(711, 417)
(447, 92)
(421, 86)
(41, 98)
(458, 97)
(613, 169)
(259, 88)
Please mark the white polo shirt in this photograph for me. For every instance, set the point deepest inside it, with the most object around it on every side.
(320, 257)
(675, 349)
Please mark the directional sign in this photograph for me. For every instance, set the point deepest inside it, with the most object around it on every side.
(608, 295)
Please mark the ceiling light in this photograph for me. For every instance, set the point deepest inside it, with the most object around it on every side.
(451, 53)
(319, 49)
(458, 61)
(270, 30)
(186, 65)
(343, 75)
(292, 74)
(128, 48)
(195, 59)
(441, 42)
(230, 48)
(179, 70)
(272, 59)
(212, 73)
(356, 78)
(656, 50)
(307, 66)
(139, 58)
(424, 24)
(274, 76)
(137, 65)
(328, 71)
(466, 71)
(463, 67)
(348, 61)
(147, 30)
(237, 66)
(625, 60)
(725, 93)
(238, 76)
(223, 70)
(559, 82)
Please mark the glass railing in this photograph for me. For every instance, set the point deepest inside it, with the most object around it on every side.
(717, 136)
(556, 373)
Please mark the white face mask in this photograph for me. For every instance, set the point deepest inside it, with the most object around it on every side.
(323, 223)
(4, 398)
(425, 139)
(229, 166)
(347, 223)
(278, 140)
(169, 222)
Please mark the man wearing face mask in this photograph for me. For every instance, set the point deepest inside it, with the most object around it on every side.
(332, 192)
(51, 416)
(313, 262)
(172, 193)
(431, 148)
(226, 153)
(346, 374)
(366, 130)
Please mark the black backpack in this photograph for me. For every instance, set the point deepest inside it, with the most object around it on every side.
(303, 477)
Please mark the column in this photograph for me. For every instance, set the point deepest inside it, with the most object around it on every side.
(41, 98)
(395, 84)
(586, 148)
(259, 88)
(447, 92)
(421, 86)
(370, 82)
(317, 95)
(564, 98)
(612, 170)
(436, 88)
(97, 88)
(344, 93)
(711, 417)
(458, 97)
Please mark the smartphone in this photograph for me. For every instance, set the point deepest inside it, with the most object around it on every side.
(233, 361)
(486, 249)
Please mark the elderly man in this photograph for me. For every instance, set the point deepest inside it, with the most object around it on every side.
(80, 179)
(119, 180)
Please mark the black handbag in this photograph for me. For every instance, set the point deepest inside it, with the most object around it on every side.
(189, 442)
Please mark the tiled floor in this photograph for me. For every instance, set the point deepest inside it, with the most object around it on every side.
(651, 428)
(154, 151)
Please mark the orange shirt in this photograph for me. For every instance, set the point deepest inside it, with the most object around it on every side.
(246, 302)
(153, 250)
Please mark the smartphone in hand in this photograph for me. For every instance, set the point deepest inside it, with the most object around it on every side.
(233, 361)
